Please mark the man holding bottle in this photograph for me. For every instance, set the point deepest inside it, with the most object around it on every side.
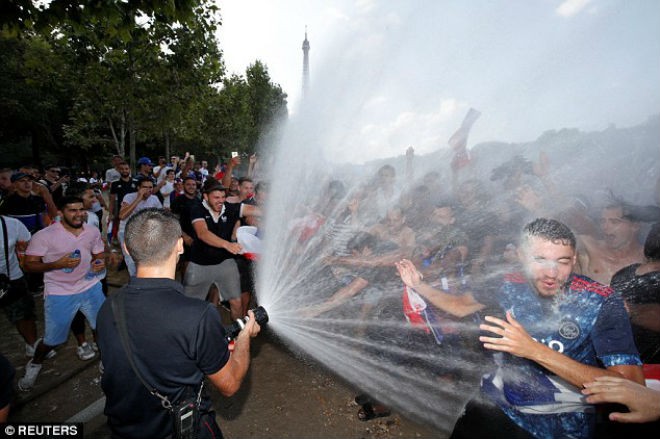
(67, 252)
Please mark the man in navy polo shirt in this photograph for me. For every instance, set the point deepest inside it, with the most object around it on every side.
(176, 341)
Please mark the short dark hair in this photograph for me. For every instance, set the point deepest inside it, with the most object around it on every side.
(189, 178)
(244, 179)
(652, 243)
(77, 189)
(260, 187)
(361, 241)
(141, 179)
(150, 235)
(67, 199)
(550, 230)
(212, 185)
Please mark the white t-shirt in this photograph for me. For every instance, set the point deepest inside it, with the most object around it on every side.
(166, 190)
(152, 201)
(17, 232)
(112, 175)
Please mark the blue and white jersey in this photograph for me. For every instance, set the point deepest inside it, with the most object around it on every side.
(586, 322)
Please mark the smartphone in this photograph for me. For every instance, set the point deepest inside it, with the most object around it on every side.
(234, 154)
(184, 421)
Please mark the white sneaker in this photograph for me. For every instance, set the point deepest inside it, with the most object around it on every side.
(85, 352)
(31, 373)
(30, 349)
(95, 347)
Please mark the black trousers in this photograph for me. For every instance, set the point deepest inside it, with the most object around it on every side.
(483, 419)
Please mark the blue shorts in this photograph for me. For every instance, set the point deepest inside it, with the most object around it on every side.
(60, 310)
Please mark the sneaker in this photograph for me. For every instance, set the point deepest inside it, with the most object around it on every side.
(95, 347)
(30, 349)
(31, 373)
(85, 352)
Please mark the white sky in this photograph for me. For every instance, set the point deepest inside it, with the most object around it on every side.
(387, 74)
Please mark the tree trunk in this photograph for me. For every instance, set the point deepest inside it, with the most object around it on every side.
(131, 142)
(167, 145)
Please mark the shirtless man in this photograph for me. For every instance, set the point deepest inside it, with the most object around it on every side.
(618, 246)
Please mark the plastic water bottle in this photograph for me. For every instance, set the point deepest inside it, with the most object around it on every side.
(91, 274)
(76, 255)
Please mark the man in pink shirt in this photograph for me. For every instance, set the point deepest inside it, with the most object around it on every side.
(70, 254)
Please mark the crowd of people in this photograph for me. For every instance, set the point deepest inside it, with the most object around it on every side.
(567, 294)
(566, 291)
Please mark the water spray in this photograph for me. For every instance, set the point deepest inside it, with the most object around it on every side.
(260, 315)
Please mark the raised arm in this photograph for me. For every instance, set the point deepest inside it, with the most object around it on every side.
(459, 306)
(228, 379)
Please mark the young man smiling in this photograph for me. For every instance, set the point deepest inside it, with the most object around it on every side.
(212, 254)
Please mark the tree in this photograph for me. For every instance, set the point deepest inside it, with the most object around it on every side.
(36, 92)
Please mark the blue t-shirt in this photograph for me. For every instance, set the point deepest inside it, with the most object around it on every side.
(586, 322)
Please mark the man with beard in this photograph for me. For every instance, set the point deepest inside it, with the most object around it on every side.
(132, 204)
(182, 207)
(619, 246)
(65, 252)
(212, 255)
(124, 185)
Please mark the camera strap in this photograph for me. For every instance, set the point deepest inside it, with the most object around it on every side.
(118, 310)
(5, 233)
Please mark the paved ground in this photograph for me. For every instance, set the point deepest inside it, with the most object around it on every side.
(283, 395)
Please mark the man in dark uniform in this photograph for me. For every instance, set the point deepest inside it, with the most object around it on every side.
(176, 341)
(182, 207)
(119, 189)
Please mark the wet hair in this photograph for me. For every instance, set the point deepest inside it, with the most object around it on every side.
(516, 164)
(445, 202)
(550, 230)
(336, 190)
(244, 179)
(150, 236)
(652, 243)
(67, 199)
(384, 168)
(260, 187)
(360, 241)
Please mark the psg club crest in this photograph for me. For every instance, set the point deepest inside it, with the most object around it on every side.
(569, 330)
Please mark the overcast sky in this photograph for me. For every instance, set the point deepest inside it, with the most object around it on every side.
(387, 74)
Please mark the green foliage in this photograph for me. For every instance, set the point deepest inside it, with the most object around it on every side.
(109, 76)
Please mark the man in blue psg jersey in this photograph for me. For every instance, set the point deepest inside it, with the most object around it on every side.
(558, 331)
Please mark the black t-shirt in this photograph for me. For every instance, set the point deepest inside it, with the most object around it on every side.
(204, 254)
(175, 341)
(641, 290)
(26, 209)
(182, 206)
(58, 193)
(120, 188)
